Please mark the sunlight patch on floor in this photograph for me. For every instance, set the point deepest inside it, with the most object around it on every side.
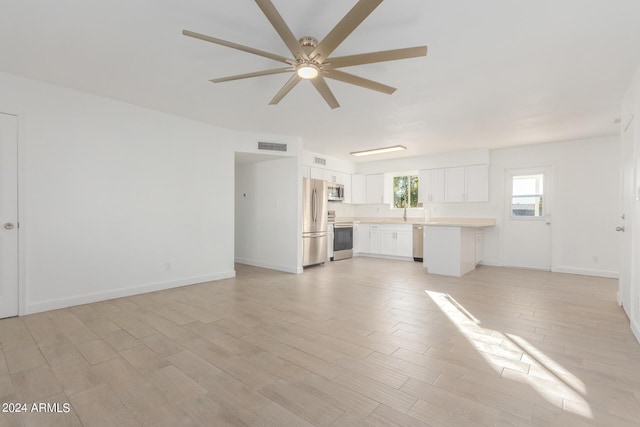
(550, 379)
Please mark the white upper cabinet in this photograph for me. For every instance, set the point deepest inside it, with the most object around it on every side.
(477, 183)
(316, 173)
(359, 189)
(467, 184)
(431, 185)
(454, 185)
(375, 188)
(347, 187)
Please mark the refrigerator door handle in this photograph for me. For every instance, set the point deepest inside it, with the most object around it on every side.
(313, 235)
(315, 205)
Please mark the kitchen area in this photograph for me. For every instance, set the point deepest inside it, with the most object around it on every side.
(446, 246)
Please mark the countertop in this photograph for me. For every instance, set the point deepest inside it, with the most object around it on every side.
(442, 222)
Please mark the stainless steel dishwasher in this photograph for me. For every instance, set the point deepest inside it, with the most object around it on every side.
(418, 242)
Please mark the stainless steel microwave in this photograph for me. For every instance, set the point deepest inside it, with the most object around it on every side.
(336, 192)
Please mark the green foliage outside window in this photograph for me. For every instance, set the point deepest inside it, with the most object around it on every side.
(405, 191)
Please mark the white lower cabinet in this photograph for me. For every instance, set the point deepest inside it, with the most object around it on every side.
(389, 243)
(375, 239)
(405, 241)
(361, 239)
(394, 240)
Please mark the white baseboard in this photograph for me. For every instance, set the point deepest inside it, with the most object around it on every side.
(587, 272)
(54, 304)
(618, 299)
(635, 328)
(491, 263)
(284, 268)
(399, 258)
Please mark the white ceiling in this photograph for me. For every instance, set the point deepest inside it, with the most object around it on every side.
(498, 72)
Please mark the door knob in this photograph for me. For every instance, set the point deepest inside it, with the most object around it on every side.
(8, 226)
(620, 228)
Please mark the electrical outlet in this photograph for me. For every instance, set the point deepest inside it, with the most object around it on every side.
(595, 259)
(167, 266)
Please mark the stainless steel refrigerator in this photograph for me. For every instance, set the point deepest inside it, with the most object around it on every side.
(314, 221)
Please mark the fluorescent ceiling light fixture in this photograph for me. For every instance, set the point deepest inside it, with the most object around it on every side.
(307, 71)
(379, 150)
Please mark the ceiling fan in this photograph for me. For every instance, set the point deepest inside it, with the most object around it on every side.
(311, 59)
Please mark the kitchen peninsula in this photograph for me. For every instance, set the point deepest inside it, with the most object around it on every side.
(453, 246)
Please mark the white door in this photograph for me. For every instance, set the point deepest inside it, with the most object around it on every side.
(527, 235)
(626, 217)
(8, 215)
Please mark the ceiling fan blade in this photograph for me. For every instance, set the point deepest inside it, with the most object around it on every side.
(341, 31)
(382, 56)
(359, 81)
(322, 87)
(290, 84)
(237, 46)
(249, 75)
(281, 27)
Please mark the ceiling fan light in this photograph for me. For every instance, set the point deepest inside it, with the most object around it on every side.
(378, 150)
(307, 71)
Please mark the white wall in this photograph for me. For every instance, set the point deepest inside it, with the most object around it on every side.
(332, 163)
(584, 206)
(115, 199)
(268, 223)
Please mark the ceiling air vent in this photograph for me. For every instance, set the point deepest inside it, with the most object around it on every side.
(319, 161)
(272, 146)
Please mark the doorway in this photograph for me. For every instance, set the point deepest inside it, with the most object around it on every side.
(8, 215)
(527, 235)
(268, 211)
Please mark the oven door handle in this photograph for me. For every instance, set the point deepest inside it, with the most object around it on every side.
(342, 226)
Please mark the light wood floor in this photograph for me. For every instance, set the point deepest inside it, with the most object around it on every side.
(356, 342)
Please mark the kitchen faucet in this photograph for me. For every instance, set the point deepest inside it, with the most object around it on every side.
(404, 215)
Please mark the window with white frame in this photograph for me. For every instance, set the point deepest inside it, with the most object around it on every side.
(405, 191)
(527, 196)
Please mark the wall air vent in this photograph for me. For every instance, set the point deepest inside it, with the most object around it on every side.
(272, 146)
(319, 161)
